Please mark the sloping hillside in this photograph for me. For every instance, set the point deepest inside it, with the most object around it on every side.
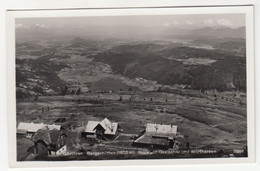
(228, 72)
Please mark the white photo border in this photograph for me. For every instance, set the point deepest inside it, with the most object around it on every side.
(11, 101)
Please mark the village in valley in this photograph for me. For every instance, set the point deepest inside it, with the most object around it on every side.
(101, 94)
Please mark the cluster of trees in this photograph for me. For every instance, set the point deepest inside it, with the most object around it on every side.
(220, 77)
(21, 96)
(65, 91)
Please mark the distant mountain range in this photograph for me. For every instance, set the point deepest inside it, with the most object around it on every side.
(207, 32)
(174, 32)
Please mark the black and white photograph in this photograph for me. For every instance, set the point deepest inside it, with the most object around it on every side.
(137, 86)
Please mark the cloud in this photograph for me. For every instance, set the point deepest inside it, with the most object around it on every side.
(19, 25)
(224, 22)
(176, 23)
(32, 26)
(166, 24)
(208, 22)
(189, 22)
(42, 26)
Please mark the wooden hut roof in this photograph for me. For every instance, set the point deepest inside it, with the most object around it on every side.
(110, 128)
(48, 136)
(91, 125)
(30, 127)
(161, 130)
(34, 127)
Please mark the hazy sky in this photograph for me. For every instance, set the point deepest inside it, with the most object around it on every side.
(128, 25)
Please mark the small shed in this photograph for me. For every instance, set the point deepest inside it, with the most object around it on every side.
(157, 135)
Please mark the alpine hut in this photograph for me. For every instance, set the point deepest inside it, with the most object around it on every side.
(29, 129)
(157, 136)
(105, 130)
(49, 142)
